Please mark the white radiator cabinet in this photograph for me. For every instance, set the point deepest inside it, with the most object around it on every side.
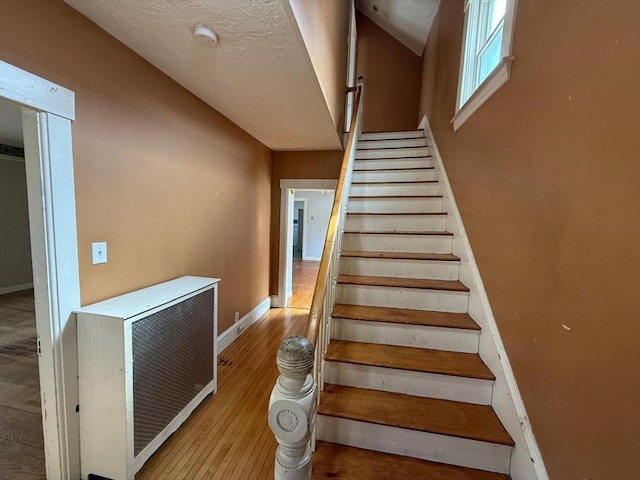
(145, 361)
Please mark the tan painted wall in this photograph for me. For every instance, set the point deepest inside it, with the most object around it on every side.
(547, 178)
(294, 165)
(173, 186)
(392, 75)
(15, 246)
(324, 27)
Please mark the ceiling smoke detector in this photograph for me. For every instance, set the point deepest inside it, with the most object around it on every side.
(205, 35)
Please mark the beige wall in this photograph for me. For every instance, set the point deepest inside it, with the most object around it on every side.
(392, 76)
(294, 165)
(15, 247)
(171, 185)
(547, 178)
(324, 27)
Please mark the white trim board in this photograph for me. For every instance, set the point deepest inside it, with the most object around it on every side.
(231, 334)
(286, 234)
(26, 89)
(15, 288)
(46, 124)
(526, 463)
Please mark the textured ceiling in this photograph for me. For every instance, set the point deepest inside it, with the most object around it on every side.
(259, 76)
(409, 21)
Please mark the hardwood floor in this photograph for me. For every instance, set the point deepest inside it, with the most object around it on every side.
(227, 437)
(305, 273)
(21, 441)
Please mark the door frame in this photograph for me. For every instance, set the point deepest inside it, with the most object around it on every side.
(47, 112)
(285, 250)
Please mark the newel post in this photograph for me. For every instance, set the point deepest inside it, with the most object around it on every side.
(292, 409)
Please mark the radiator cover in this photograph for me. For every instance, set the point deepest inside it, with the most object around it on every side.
(146, 360)
(167, 374)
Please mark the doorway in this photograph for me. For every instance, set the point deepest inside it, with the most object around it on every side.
(305, 210)
(47, 110)
(22, 442)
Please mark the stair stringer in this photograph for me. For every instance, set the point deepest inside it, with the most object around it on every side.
(526, 458)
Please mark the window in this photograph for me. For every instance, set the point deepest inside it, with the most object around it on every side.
(486, 53)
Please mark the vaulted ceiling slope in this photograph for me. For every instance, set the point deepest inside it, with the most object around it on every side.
(409, 21)
(258, 75)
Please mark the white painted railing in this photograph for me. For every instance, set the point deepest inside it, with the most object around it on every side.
(295, 397)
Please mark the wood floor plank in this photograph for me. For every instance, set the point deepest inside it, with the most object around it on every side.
(21, 440)
(405, 316)
(305, 273)
(424, 283)
(445, 417)
(339, 462)
(425, 360)
(441, 257)
(21, 427)
(21, 462)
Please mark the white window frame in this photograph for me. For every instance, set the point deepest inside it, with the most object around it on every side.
(500, 73)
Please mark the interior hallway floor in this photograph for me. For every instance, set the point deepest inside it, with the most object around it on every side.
(305, 273)
(227, 437)
(21, 441)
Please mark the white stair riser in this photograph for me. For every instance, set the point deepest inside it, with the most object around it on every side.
(403, 335)
(415, 298)
(394, 153)
(397, 243)
(394, 205)
(420, 162)
(394, 176)
(392, 267)
(395, 189)
(392, 143)
(424, 445)
(420, 384)
(396, 223)
(392, 135)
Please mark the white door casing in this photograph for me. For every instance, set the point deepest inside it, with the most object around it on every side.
(48, 110)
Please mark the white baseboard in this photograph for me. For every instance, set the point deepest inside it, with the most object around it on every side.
(527, 462)
(313, 259)
(15, 288)
(227, 337)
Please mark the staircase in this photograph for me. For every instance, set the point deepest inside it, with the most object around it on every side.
(406, 395)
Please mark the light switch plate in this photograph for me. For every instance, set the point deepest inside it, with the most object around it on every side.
(99, 252)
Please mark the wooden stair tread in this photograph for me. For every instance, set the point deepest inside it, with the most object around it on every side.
(394, 182)
(444, 417)
(405, 316)
(394, 232)
(430, 214)
(425, 360)
(339, 462)
(401, 147)
(394, 169)
(444, 257)
(378, 197)
(450, 285)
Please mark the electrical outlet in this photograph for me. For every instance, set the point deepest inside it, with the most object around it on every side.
(240, 328)
(98, 252)
(236, 317)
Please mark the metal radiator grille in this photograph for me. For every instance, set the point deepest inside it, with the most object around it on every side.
(172, 363)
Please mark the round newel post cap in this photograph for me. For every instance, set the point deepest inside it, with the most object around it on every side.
(295, 356)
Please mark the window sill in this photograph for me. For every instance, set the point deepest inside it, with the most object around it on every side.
(492, 83)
